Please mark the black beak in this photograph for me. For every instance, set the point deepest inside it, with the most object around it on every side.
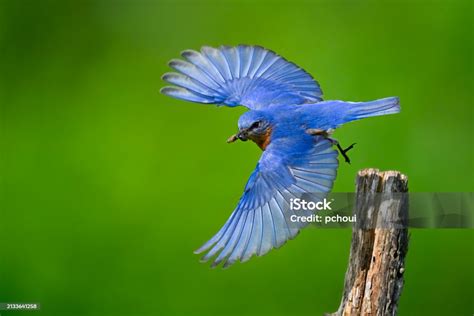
(242, 135)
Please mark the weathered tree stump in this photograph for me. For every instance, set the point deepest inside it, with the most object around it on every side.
(374, 277)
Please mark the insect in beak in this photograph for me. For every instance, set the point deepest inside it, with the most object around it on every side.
(242, 135)
(232, 138)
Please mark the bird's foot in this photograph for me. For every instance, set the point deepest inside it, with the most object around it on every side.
(326, 134)
(341, 150)
(344, 151)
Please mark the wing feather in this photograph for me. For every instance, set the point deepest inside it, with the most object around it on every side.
(255, 238)
(267, 238)
(180, 93)
(243, 240)
(243, 75)
(229, 247)
(261, 220)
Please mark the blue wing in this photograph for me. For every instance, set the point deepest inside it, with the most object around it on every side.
(243, 75)
(261, 220)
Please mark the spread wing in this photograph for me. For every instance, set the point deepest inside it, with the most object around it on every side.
(251, 76)
(262, 218)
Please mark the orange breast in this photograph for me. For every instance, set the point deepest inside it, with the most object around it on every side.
(264, 140)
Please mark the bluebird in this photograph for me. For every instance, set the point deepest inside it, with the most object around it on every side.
(288, 120)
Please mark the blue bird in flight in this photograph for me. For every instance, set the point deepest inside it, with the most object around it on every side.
(288, 120)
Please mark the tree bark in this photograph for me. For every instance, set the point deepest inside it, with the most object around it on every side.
(374, 278)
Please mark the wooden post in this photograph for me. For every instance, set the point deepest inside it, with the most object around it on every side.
(374, 277)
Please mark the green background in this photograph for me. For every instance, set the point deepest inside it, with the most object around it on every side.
(107, 186)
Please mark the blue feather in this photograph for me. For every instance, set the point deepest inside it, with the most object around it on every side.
(244, 75)
(261, 219)
(294, 164)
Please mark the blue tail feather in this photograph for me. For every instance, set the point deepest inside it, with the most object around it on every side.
(359, 110)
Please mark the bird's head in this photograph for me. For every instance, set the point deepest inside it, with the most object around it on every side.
(256, 126)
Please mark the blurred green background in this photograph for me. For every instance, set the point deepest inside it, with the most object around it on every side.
(107, 186)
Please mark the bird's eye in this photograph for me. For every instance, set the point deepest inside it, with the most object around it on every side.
(256, 124)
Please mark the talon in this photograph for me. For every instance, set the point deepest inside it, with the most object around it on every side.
(343, 151)
(326, 134)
